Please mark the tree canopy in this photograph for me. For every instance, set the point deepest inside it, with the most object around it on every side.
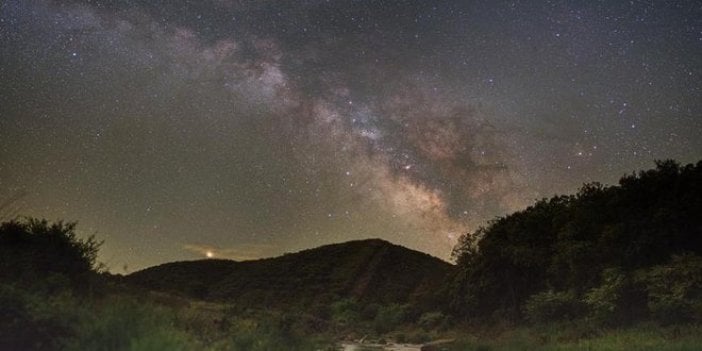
(32, 250)
(577, 244)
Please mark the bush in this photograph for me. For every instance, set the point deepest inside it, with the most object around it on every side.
(32, 250)
(550, 306)
(346, 312)
(25, 325)
(266, 331)
(432, 320)
(604, 302)
(126, 324)
(370, 311)
(674, 290)
(388, 318)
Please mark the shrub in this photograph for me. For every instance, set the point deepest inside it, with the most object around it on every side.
(674, 290)
(550, 306)
(24, 325)
(32, 250)
(266, 331)
(370, 311)
(388, 318)
(432, 320)
(604, 301)
(126, 324)
(345, 312)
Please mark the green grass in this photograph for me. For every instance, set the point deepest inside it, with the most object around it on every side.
(138, 321)
(145, 322)
(125, 323)
(554, 338)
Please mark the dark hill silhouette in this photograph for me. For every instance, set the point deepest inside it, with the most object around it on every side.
(373, 271)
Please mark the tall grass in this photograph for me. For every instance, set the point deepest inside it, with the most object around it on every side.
(136, 321)
(558, 338)
(125, 324)
(142, 322)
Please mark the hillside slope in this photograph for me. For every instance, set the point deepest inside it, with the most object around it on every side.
(369, 270)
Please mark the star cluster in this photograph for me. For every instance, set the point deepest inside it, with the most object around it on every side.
(245, 129)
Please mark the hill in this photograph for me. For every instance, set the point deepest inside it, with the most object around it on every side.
(373, 271)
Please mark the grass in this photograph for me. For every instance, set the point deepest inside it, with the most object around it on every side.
(559, 338)
(141, 321)
(127, 324)
(144, 322)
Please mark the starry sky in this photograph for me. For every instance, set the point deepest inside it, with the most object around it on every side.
(242, 129)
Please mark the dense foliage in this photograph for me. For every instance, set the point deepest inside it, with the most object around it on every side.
(34, 251)
(608, 253)
(39, 264)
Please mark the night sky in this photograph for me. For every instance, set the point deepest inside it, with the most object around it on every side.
(248, 129)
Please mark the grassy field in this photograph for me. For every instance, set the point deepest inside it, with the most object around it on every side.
(153, 321)
(552, 338)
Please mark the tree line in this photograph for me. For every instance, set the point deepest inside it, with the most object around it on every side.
(611, 254)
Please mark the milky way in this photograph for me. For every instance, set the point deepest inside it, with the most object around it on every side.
(246, 129)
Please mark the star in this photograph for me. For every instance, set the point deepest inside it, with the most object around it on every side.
(246, 124)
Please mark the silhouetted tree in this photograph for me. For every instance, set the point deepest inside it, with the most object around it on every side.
(34, 251)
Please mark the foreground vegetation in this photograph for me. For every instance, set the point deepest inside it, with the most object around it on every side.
(610, 268)
(53, 296)
(124, 321)
(645, 337)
